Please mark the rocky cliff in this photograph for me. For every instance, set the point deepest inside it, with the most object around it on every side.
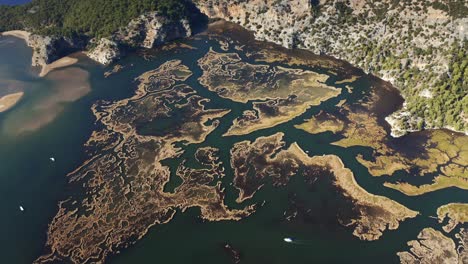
(47, 49)
(151, 30)
(105, 51)
(412, 44)
(146, 31)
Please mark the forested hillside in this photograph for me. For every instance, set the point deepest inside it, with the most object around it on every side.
(418, 46)
(84, 17)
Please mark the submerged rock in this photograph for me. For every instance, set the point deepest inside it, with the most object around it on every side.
(146, 31)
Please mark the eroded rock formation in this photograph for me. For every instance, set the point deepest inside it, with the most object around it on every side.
(146, 31)
(47, 49)
(105, 52)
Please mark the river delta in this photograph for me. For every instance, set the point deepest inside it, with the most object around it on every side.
(215, 149)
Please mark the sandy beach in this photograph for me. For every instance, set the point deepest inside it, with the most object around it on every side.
(8, 101)
(63, 62)
(18, 34)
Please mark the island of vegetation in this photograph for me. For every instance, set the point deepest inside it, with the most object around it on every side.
(419, 46)
(350, 80)
(462, 237)
(123, 182)
(457, 213)
(444, 153)
(123, 201)
(265, 159)
(106, 30)
(279, 94)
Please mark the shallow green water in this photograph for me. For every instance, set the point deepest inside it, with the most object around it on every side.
(30, 179)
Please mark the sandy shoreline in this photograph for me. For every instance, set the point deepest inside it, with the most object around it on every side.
(8, 101)
(60, 63)
(24, 35)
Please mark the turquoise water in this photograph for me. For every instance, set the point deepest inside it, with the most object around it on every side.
(28, 178)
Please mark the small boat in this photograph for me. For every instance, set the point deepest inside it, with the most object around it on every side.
(21, 208)
(52, 159)
(288, 240)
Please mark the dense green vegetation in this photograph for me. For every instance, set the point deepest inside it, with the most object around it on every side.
(449, 103)
(433, 99)
(93, 18)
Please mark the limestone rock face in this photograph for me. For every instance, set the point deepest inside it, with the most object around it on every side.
(106, 51)
(47, 49)
(150, 30)
(146, 31)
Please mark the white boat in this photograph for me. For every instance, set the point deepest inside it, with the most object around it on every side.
(288, 240)
(21, 208)
(52, 159)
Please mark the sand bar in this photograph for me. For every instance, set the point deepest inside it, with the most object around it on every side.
(60, 63)
(18, 34)
(8, 101)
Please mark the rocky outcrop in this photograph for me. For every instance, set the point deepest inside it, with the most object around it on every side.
(146, 31)
(275, 21)
(47, 49)
(434, 247)
(105, 52)
(409, 43)
(150, 30)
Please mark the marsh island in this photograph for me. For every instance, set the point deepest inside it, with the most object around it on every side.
(217, 147)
